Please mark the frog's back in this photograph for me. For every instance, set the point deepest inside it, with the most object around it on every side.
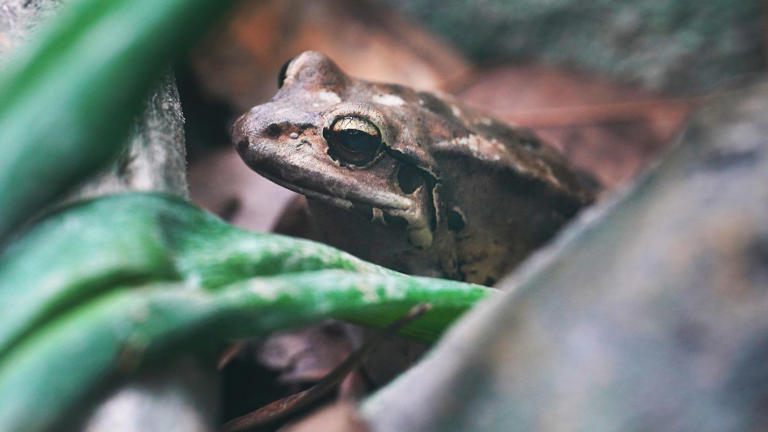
(500, 191)
(502, 147)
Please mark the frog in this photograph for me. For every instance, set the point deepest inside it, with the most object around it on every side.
(412, 180)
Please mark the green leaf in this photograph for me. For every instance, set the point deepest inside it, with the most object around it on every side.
(108, 285)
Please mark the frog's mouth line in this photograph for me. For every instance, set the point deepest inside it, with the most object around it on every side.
(420, 237)
(346, 203)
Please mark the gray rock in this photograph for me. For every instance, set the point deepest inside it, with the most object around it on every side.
(683, 45)
(181, 396)
(154, 157)
(19, 19)
(650, 313)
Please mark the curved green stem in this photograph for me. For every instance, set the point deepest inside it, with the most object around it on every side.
(71, 356)
(90, 247)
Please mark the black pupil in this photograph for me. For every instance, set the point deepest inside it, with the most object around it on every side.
(357, 141)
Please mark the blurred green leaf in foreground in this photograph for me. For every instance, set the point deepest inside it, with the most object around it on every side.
(70, 96)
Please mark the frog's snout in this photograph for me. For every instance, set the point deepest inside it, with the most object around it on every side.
(238, 134)
(253, 134)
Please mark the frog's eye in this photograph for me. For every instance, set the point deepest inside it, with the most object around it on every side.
(353, 140)
(283, 71)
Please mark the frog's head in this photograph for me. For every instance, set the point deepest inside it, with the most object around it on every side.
(353, 144)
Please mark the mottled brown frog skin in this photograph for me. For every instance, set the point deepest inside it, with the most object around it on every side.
(407, 179)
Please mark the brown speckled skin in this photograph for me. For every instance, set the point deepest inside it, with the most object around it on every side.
(487, 193)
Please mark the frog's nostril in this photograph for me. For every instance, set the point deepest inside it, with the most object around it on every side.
(242, 145)
(273, 130)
